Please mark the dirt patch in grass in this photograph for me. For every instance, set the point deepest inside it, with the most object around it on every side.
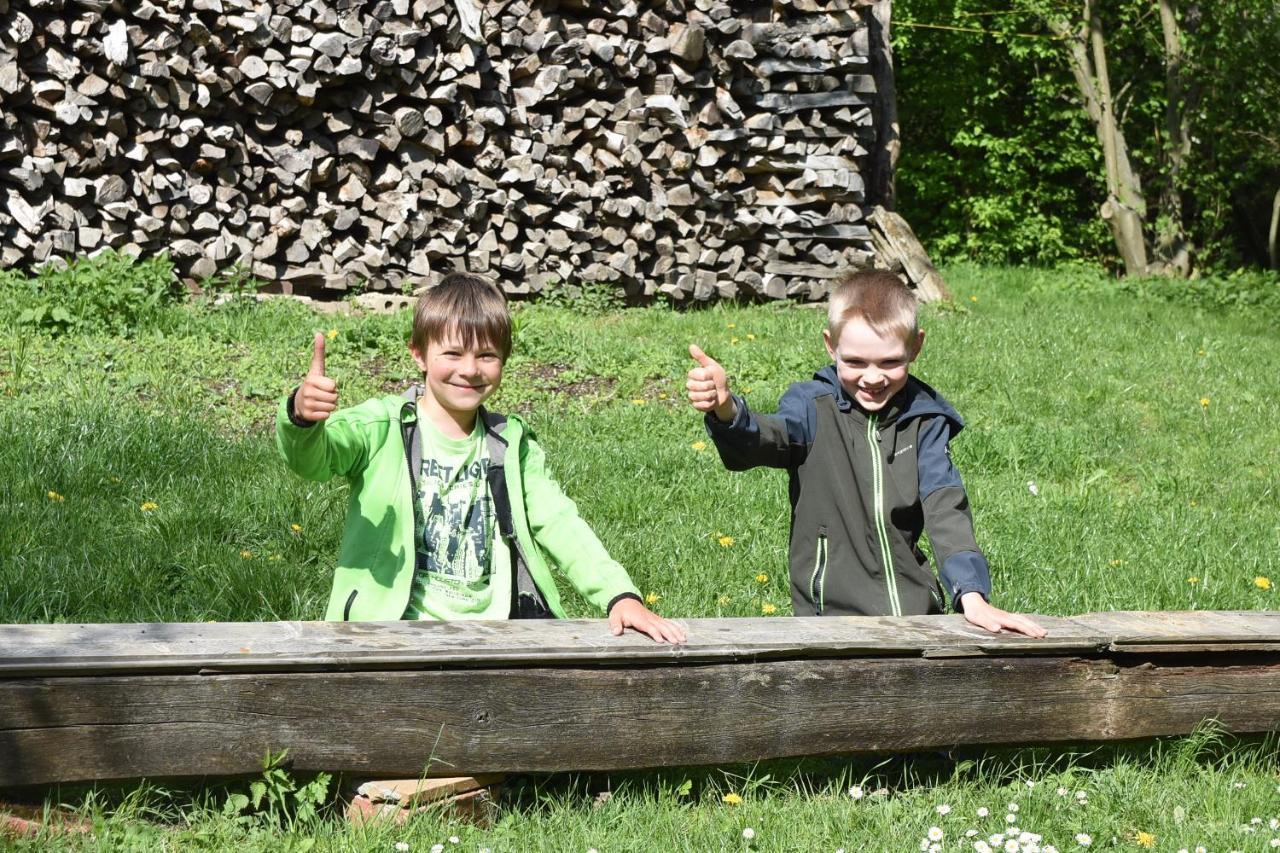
(564, 380)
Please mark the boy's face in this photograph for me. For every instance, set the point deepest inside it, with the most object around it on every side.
(872, 367)
(458, 378)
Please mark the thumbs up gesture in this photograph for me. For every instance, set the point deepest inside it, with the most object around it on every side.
(708, 386)
(317, 396)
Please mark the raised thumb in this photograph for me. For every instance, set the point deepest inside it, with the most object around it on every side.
(317, 356)
(696, 353)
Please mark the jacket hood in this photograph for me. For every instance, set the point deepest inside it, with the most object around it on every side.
(916, 400)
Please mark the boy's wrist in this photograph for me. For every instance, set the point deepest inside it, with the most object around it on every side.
(294, 418)
(622, 597)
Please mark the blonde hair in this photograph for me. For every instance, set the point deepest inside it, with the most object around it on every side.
(466, 305)
(878, 298)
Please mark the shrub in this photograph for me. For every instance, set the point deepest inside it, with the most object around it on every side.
(107, 293)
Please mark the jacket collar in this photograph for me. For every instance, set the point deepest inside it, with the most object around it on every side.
(916, 399)
(494, 424)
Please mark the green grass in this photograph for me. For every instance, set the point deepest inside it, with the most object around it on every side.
(1147, 424)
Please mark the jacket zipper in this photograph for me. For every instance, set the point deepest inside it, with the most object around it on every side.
(877, 480)
(817, 582)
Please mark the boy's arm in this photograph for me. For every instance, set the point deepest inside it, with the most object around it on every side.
(316, 442)
(572, 545)
(949, 525)
(743, 438)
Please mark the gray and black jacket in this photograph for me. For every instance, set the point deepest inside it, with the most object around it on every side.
(864, 487)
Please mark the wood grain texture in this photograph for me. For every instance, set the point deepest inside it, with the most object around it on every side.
(104, 702)
(451, 722)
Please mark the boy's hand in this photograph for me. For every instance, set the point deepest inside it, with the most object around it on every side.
(978, 612)
(629, 613)
(708, 386)
(317, 396)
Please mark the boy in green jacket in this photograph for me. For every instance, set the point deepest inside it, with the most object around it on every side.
(452, 513)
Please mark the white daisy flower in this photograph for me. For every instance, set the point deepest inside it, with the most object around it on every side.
(437, 848)
(1010, 818)
(943, 809)
(1081, 795)
(402, 846)
(970, 833)
(981, 846)
(935, 833)
(748, 833)
(856, 792)
(453, 839)
(1062, 792)
(1013, 807)
(1083, 839)
(983, 811)
(935, 848)
(1011, 846)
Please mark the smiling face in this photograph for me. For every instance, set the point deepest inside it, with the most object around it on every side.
(458, 377)
(872, 367)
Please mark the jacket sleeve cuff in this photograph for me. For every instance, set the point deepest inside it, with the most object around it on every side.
(740, 414)
(617, 598)
(964, 572)
(294, 418)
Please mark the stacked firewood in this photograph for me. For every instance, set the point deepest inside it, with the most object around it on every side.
(691, 147)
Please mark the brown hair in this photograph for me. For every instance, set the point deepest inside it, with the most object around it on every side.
(881, 300)
(468, 306)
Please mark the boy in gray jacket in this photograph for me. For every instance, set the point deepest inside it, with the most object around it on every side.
(866, 447)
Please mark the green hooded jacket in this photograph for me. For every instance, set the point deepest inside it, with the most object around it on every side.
(375, 445)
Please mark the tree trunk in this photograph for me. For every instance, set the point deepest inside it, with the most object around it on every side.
(1173, 248)
(1125, 209)
(1272, 248)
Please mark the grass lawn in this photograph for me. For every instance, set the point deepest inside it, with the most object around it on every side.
(1122, 452)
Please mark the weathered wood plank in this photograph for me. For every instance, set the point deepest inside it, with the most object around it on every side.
(99, 702)
(463, 721)
(229, 646)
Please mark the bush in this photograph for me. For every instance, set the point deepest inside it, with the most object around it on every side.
(107, 293)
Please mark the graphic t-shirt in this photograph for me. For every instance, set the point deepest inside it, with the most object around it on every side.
(463, 569)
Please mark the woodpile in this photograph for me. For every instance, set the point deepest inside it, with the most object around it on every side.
(691, 147)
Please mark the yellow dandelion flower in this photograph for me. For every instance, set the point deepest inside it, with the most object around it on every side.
(746, 390)
(973, 299)
(55, 497)
(768, 608)
(274, 558)
(1204, 402)
(1195, 503)
(725, 541)
(1262, 583)
(722, 600)
(1199, 352)
(762, 578)
(662, 396)
(750, 337)
(115, 480)
(1118, 562)
(732, 799)
(733, 341)
(637, 402)
(1144, 839)
(652, 598)
(731, 325)
(331, 334)
(147, 506)
(699, 445)
(296, 528)
(1193, 579)
(248, 555)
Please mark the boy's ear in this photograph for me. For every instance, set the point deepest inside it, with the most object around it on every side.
(419, 357)
(826, 342)
(919, 345)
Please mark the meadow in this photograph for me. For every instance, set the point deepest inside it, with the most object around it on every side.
(1121, 452)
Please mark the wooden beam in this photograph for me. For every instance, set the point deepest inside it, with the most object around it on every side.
(111, 702)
